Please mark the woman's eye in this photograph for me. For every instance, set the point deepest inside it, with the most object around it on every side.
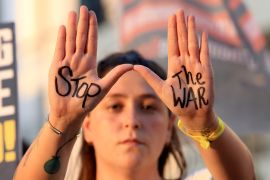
(115, 107)
(148, 107)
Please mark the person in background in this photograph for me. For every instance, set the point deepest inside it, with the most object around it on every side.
(126, 107)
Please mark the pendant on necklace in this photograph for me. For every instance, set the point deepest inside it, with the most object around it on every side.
(52, 165)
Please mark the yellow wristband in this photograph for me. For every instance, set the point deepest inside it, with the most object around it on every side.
(207, 136)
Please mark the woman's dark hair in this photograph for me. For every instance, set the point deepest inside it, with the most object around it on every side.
(173, 148)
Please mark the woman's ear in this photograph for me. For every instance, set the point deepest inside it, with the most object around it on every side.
(87, 132)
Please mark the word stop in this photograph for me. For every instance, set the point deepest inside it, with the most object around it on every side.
(74, 86)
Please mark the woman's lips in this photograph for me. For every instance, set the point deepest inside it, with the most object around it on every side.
(132, 141)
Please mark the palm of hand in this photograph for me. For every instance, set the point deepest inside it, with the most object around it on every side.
(188, 89)
(74, 86)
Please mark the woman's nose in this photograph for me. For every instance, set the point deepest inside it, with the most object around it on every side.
(132, 119)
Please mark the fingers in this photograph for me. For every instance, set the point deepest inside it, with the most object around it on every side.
(92, 35)
(193, 47)
(173, 49)
(82, 38)
(152, 79)
(182, 33)
(204, 51)
(59, 53)
(115, 74)
(82, 31)
(71, 33)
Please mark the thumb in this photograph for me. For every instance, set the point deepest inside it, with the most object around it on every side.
(152, 78)
(113, 75)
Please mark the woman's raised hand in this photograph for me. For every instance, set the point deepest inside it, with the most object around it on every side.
(188, 90)
(74, 86)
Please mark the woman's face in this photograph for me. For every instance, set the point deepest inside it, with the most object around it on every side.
(130, 126)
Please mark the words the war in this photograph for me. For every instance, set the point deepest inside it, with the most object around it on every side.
(189, 95)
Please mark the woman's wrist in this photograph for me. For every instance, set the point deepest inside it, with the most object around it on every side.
(204, 130)
(199, 123)
(64, 125)
(204, 136)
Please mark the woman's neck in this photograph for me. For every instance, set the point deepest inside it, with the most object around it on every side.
(109, 172)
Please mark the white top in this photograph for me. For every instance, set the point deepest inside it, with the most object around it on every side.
(202, 174)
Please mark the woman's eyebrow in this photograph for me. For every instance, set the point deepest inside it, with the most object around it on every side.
(144, 96)
(117, 95)
(149, 96)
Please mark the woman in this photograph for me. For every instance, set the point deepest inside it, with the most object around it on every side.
(128, 123)
(150, 124)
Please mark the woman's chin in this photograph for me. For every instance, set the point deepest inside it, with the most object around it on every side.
(132, 160)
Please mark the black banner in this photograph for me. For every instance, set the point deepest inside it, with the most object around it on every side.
(10, 149)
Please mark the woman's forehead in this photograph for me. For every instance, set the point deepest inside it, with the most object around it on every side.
(131, 83)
